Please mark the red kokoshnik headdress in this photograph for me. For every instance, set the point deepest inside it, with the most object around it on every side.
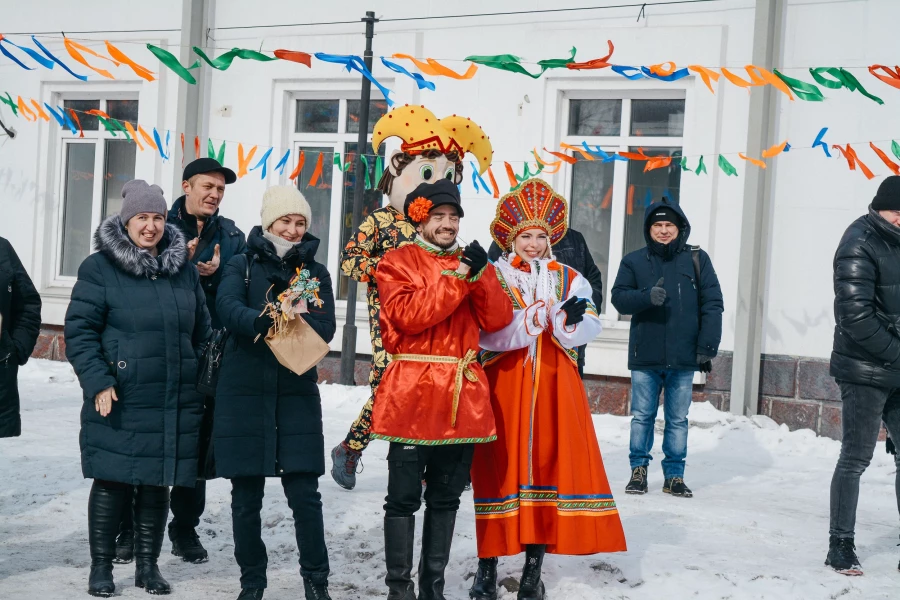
(534, 204)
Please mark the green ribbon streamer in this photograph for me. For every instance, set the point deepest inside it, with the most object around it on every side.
(224, 61)
(169, 60)
(727, 166)
(844, 79)
(804, 91)
(701, 167)
(512, 63)
(895, 148)
(684, 165)
(365, 162)
(210, 149)
(337, 163)
(221, 156)
(113, 126)
(527, 174)
(12, 105)
(379, 170)
(118, 125)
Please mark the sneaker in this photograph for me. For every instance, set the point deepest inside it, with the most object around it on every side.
(124, 547)
(638, 483)
(842, 556)
(186, 544)
(677, 487)
(344, 461)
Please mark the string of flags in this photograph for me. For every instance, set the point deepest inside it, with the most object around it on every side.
(832, 78)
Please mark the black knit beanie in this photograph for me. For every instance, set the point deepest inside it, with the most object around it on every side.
(664, 213)
(888, 196)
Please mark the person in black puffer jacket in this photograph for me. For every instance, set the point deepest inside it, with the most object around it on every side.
(134, 327)
(20, 324)
(268, 420)
(865, 359)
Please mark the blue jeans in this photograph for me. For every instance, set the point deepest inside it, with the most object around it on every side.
(645, 388)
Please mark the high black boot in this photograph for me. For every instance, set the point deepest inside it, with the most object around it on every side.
(531, 587)
(485, 585)
(151, 508)
(104, 510)
(437, 535)
(125, 540)
(399, 537)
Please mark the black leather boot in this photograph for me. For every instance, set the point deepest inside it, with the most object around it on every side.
(399, 537)
(531, 587)
(315, 591)
(437, 535)
(104, 510)
(151, 508)
(485, 585)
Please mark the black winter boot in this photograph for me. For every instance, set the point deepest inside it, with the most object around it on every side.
(638, 483)
(315, 591)
(485, 585)
(437, 535)
(399, 537)
(151, 508)
(104, 510)
(186, 544)
(124, 547)
(251, 594)
(677, 487)
(842, 556)
(531, 587)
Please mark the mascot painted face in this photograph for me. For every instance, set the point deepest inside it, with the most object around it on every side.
(431, 149)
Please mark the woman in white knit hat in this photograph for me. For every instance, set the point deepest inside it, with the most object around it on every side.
(268, 420)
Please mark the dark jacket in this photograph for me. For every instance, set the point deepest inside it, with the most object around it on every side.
(20, 309)
(670, 336)
(867, 304)
(268, 420)
(135, 323)
(217, 230)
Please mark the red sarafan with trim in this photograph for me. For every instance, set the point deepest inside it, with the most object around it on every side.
(434, 392)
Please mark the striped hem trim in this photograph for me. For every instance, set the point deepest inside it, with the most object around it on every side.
(454, 274)
(536, 496)
(447, 442)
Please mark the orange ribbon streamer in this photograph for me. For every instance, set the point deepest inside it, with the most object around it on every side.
(513, 182)
(147, 137)
(597, 63)
(549, 167)
(494, 183)
(707, 75)
(629, 204)
(758, 76)
(663, 70)
(564, 157)
(243, 163)
(774, 150)
(75, 49)
(296, 172)
(434, 68)
(852, 160)
(77, 121)
(26, 112)
(657, 162)
(134, 135)
(607, 199)
(197, 146)
(892, 78)
(755, 161)
(316, 173)
(584, 153)
(635, 156)
(894, 167)
(118, 55)
(294, 56)
(40, 111)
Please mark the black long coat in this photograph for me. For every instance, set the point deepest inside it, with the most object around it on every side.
(136, 323)
(268, 420)
(20, 309)
(867, 304)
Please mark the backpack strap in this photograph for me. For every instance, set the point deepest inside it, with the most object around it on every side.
(695, 257)
(250, 259)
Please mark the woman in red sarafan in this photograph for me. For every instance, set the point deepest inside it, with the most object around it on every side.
(541, 487)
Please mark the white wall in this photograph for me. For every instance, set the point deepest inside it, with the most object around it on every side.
(815, 199)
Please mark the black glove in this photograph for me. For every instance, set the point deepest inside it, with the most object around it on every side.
(279, 284)
(262, 323)
(705, 363)
(658, 293)
(475, 256)
(889, 446)
(574, 308)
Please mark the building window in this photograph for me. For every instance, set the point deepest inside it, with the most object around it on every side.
(93, 170)
(329, 127)
(608, 199)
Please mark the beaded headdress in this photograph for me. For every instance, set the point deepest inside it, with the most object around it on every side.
(420, 131)
(533, 204)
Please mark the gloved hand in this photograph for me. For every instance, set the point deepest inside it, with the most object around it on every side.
(705, 363)
(475, 257)
(574, 308)
(658, 293)
(262, 323)
(279, 284)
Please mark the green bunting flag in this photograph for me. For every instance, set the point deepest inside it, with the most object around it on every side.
(701, 168)
(224, 61)
(169, 60)
(727, 166)
(843, 79)
(804, 91)
(512, 63)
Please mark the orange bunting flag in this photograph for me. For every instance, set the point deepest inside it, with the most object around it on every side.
(635, 156)
(894, 167)
(629, 203)
(852, 160)
(77, 121)
(432, 67)
(26, 112)
(147, 137)
(243, 162)
(292, 55)
(40, 111)
(664, 69)
(775, 150)
(296, 172)
(494, 183)
(597, 63)
(657, 162)
(584, 153)
(755, 161)
(197, 146)
(563, 157)
(758, 76)
(893, 75)
(607, 199)
(513, 182)
(134, 135)
(549, 167)
(75, 49)
(118, 55)
(317, 172)
(707, 75)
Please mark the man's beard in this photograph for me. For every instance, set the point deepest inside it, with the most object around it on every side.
(430, 238)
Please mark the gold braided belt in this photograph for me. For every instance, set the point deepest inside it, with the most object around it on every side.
(462, 370)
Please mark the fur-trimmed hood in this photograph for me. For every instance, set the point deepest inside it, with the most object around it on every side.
(112, 240)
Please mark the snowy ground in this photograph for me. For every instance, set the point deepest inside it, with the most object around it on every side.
(756, 528)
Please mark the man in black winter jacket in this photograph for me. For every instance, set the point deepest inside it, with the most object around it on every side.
(20, 323)
(572, 250)
(865, 359)
(676, 303)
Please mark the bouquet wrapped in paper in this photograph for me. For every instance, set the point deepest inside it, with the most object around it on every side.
(294, 343)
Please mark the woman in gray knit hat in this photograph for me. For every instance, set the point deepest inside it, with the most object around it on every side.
(133, 330)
